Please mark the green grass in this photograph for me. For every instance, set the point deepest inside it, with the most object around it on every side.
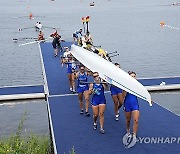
(25, 144)
(32, 144)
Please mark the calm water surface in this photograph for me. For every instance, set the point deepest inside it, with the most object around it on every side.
(129, 27)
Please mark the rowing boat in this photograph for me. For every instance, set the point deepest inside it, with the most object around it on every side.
(110, 73)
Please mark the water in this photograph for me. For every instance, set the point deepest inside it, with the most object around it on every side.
(36, 119)
(130, 27)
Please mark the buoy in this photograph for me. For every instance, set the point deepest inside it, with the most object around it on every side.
(30, 16)
(162, 23)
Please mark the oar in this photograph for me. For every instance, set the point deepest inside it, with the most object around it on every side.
(20, 29)
(40, 16)
(24, 38)
(30, 43)
(28, 38)
(83, 20)
(20, 17)
(36, 41)
(49, 27)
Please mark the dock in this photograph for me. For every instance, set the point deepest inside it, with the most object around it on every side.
(158, 128)
(161, 83)
(8, 93)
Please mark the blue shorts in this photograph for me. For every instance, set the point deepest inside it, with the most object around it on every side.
(115, 90)
(130, 104)
(82, 89)
(96, 102)
(70, 71)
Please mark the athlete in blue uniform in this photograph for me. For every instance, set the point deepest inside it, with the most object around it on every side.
(130, 103)
(117, 97)
(71, 67)
(98, 101)
(131, 107)
(83, 89)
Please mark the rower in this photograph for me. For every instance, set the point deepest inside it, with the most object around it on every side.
(31, 16)
(40, 36)
(38, 26)
(53, 35)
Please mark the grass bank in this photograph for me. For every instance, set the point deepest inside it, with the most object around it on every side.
(26, 143)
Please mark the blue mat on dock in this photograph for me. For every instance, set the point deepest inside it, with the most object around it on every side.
(158, 81)
(22, 90)
(72, 129)
(56, 74)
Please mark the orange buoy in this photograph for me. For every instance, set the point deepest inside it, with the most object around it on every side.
(162, 23)
(30, 16)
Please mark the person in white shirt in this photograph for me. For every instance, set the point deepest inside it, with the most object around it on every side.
(38, 26)
(66, 55)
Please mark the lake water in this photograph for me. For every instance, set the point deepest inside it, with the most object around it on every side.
(129, 27)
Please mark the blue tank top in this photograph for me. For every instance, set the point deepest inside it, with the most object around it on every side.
(98, 96)
(82, 78)
(130, 98)
(98, 90)
(70, 66)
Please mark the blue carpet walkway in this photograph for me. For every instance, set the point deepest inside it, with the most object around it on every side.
(70, 129)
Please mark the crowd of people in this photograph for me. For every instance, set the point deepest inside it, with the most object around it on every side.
(77, 71)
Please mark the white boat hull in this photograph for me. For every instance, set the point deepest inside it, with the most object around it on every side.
(110, 73)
